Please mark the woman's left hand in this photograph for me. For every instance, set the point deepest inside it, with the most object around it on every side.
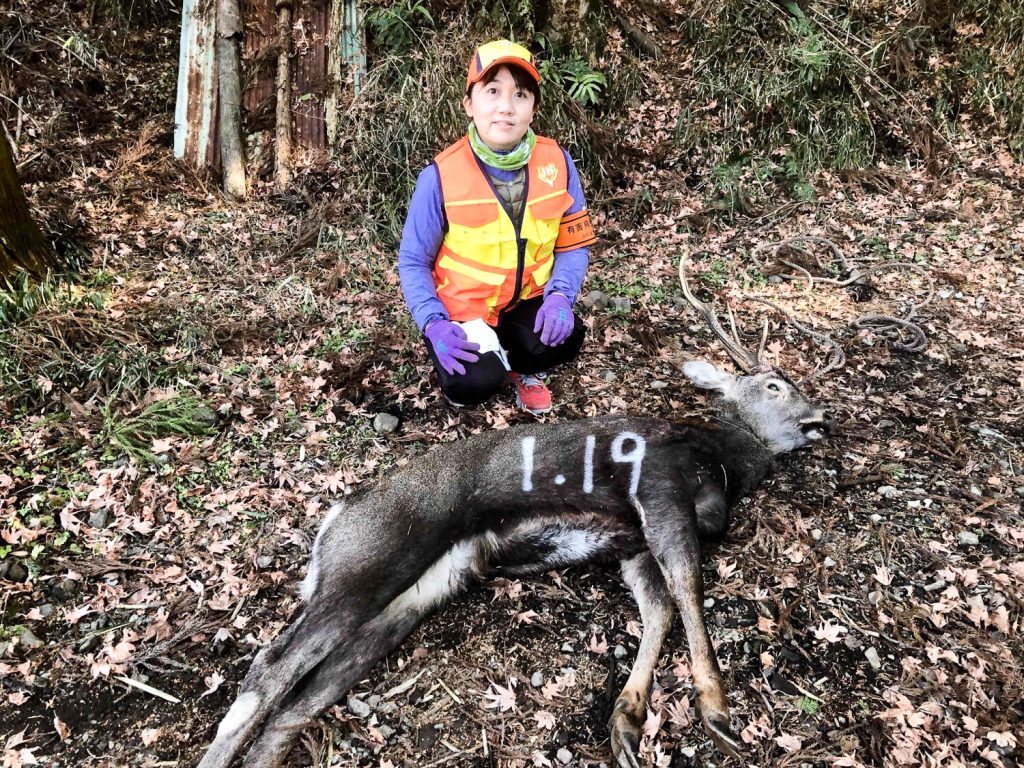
(554, 320)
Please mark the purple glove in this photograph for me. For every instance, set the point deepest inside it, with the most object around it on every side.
(450, 345)
(554, 320)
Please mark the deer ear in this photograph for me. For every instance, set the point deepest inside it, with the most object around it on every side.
(707, 376)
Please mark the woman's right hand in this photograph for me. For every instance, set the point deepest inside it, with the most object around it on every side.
(451, 345)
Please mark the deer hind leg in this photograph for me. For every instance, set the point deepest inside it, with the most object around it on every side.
(644, 578)
(272, 674)
(350, 661)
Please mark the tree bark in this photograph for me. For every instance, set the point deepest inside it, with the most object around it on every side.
(283, 133)
(22, 245)
(229, 77)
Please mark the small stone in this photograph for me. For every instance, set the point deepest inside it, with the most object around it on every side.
(98, 519)
(659, 385)
(816, 534)
(564, 756)
(609, 376)
(264, 561)
(620, 651)
(28, 639)
(205, 416)
(621, 304)
(871, 654)
(358, 707)
(537, 680)
(385, 423)
(874, 597)
(968, 538)
(709, 602)
(567, 648)
(373, 701)
(875, 518)
(595, 300)
(830, 563)
(46, 610)
(64, 591)
(974, 491)
(17, 572)
(888, 491)
(386, 731)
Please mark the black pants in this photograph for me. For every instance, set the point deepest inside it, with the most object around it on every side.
(526, 354)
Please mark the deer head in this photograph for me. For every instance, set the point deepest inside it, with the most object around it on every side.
(765, 400)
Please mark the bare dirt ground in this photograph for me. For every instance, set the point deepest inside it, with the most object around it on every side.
(867, 604)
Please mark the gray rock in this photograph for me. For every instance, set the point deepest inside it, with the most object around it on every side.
(659, 384)
(65, 590)
(564, 756)
(46, 610)
(385, 423)
(264, 561)
(358, 707)
(205, 415)
(621, 304)
(595, 300)
(875, 518)
(567, 648)
(373, 701)
(5, 566)
(386, 731)
(537, 680)
(871, 654)
(816, 534)
(98, 519)
(830, 563)
(28, 639)
(17, 572)
(620, 651)
(968, 538)
(609, 376)
(709, 602)
(874, 597)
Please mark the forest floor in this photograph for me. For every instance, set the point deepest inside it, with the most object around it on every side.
(867, 605)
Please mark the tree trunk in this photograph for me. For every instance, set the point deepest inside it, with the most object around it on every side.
(22, 245)
(283, 148)
(229, 78)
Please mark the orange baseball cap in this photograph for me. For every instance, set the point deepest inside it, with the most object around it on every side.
(499, 52)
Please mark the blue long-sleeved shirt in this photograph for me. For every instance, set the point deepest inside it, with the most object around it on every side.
(424, 231)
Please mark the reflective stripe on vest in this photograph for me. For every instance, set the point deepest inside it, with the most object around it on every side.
(479, 261)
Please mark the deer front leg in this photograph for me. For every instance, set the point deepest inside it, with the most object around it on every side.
(644, 578)
(671, 534)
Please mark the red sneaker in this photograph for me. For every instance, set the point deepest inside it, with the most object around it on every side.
(532, 394)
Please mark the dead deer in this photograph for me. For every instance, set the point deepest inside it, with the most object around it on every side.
(643, 491)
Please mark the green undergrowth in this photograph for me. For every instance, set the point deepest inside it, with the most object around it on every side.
(764, 95)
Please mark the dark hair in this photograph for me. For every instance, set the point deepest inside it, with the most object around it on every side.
(523, 79)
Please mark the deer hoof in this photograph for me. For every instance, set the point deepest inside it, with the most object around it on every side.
(625, 735)
(717, 727)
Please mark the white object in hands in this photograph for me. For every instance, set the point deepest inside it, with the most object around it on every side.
(481, 333)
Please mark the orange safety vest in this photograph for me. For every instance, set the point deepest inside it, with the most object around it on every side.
(484, 265)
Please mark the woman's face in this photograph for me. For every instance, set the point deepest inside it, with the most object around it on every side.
(501, 110)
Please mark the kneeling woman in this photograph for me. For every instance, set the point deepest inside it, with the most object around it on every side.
(495, 245)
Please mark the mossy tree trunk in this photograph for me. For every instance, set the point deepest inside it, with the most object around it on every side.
(22, 245)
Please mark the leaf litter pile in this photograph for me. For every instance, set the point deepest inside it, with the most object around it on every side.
(176, 425)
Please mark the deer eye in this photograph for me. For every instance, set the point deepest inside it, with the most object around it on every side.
(772, 386)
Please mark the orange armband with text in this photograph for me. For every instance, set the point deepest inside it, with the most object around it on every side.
(575, 231)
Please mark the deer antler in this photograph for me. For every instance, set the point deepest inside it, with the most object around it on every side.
(745, 359)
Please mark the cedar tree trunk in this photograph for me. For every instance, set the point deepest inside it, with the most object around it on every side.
(283, 148)
(229, 78)
(22, 245)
